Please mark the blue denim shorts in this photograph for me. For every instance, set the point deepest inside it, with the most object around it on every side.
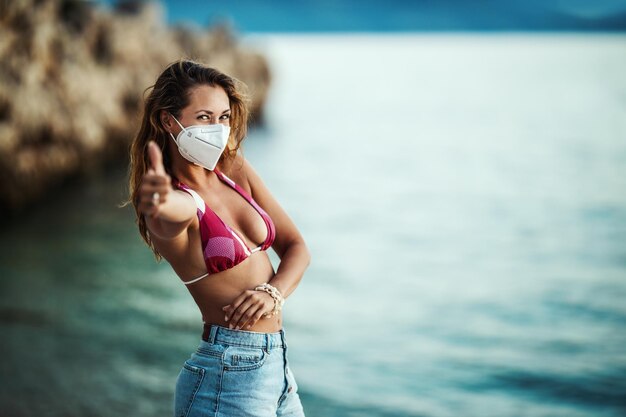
(238, 373)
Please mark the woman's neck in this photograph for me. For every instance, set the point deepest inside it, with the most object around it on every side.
(191, 174)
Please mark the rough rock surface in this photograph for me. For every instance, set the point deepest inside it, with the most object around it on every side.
(72, 77)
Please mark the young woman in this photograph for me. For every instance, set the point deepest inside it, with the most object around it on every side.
(202, 207)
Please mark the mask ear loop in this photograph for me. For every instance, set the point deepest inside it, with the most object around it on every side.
(181, 126)
(175, 139)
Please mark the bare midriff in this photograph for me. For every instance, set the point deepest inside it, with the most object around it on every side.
(218, 290)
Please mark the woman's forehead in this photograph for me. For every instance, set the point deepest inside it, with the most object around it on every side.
(210, 96)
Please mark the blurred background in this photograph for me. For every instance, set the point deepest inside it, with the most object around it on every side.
(458, 170)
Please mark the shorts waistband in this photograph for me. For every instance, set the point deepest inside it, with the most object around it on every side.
(213, 333)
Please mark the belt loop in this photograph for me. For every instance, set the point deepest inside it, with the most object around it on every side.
(282, 338)
(267, 343)
(212, 334)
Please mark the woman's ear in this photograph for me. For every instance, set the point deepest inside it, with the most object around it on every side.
(166, 121)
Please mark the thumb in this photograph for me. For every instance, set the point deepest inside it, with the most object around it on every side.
(156, 158)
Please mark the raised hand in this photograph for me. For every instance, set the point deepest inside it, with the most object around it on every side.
(156, 185)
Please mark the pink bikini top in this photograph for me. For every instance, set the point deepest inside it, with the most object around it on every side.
(223, 247)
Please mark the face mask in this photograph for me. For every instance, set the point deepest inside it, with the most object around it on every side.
(202, 144)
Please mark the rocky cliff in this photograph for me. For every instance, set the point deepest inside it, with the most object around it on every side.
(72, 77)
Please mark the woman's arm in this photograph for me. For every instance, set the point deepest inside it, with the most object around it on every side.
(289, 245)
(168, 215)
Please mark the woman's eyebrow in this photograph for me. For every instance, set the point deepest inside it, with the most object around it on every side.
(210, 112)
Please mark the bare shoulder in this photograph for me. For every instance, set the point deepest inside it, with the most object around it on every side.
(240, 171)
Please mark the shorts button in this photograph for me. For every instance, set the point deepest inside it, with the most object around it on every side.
(289, 390)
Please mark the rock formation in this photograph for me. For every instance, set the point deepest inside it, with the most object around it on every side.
(72, 77)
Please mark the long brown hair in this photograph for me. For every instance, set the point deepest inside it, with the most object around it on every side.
(170, 92)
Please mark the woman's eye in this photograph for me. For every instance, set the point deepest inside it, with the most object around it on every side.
(225, 117)
(204, 117)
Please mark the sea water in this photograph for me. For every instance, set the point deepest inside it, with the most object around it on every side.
(464, 200)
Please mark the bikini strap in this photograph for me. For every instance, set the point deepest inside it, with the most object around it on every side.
(200, 204)
(237, 188)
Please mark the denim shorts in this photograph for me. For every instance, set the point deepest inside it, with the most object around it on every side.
(238, 373)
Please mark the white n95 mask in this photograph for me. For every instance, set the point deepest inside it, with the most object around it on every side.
(202, 144)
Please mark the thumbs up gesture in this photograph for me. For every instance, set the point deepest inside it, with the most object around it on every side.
(156, 185)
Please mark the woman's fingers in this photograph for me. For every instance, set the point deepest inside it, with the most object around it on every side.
(156, 157)
(153, 178)
(155, 185)
(150, 202)
(245, 316)
(255, 317)
(230, 309)
(247, 309)
(239, 313)
(147, 192)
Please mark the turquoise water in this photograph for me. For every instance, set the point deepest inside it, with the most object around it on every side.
(251, 16)
(463, 199)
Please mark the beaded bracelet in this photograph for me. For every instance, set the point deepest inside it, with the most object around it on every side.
(276, 295)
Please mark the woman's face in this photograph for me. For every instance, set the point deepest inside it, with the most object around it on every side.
(207, 105)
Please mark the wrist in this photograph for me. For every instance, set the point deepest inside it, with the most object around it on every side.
(276, 295)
